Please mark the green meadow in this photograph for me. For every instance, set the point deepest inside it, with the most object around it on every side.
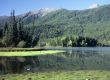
(60, 75)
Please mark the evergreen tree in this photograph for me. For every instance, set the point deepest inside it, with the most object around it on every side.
(33, 33)
(20, 30)
(5, 29)
(13, 31)
(1, 31)
(6, 39)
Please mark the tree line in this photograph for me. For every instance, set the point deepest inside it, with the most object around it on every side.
(14, 34)
(72, 42)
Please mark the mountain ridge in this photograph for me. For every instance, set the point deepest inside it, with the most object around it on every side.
(93, 23)
(44, 11)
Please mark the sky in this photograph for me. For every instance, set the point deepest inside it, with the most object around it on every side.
(23, 6)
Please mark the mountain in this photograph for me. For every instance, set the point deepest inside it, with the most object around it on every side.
(53, 23)
(3, 19)
(95, 5)
(28, 17)
(93, 23)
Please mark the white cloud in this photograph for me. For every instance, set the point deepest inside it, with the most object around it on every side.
(95, 5)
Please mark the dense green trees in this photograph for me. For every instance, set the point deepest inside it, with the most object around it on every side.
(10, 31)
(52, 28)
(92, 23)
(14, 34)
(73, 42)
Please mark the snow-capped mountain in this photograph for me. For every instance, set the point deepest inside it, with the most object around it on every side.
(37, 13)
(43, 11)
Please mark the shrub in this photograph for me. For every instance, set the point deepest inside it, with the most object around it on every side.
(21, 44)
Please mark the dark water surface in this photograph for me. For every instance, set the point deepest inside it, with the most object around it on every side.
(77, 58)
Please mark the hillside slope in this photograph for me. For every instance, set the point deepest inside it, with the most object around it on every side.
(91, 23)
(53, 23)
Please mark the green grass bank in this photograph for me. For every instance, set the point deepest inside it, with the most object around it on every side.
(28, 53)
(60, 75)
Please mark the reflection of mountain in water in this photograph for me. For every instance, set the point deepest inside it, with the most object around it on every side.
(78, 59)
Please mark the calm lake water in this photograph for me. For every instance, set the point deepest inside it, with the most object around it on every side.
(77, 58)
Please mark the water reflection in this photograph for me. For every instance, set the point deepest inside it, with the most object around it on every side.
(71, 59)
(80, 58)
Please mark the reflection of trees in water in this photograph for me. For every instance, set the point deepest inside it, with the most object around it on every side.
(17, 64)
(69, 60)
(80, 53)
(76, 59)
(72, 59)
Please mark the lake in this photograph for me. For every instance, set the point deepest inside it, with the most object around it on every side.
(76, 58)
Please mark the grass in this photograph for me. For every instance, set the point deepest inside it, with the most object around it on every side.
(61, 75)
(20, 49)
(29, 53)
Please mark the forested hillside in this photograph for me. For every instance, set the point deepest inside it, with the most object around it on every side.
(59, 27)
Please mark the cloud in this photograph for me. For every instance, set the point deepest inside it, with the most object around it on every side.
(95, 5)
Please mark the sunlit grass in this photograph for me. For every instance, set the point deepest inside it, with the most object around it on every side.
(61, 75)
(29, 53)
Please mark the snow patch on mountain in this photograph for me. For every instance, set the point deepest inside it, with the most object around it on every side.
(95, 5)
